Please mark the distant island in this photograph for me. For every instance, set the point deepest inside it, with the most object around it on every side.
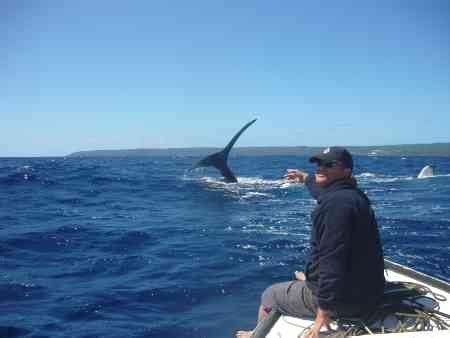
(432, 149)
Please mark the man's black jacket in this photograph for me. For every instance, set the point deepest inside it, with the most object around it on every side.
(345, 269)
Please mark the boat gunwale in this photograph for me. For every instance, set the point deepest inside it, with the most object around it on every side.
(419, 276)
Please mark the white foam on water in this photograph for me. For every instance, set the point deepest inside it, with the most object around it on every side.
(433, 176)
(259, 182)
(247, 247)
(245, 187)
(242, 181)
(371, 177)
(252, 194)
(439, 208)
(392, 179)
(365, 175)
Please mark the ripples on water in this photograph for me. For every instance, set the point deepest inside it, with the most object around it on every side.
(139, 248)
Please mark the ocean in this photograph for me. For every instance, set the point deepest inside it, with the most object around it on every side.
(140, 247)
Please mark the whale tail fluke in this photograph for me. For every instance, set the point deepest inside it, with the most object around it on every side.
(219, 159)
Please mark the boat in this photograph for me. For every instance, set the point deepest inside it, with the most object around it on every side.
(422, 315)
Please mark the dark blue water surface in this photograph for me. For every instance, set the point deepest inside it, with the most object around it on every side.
(114, 247)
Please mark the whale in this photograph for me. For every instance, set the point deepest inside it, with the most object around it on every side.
(426, 171)
(219, 160)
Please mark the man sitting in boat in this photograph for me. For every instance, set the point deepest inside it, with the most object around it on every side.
(344, 271)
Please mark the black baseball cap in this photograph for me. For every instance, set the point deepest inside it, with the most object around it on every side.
(334, 154)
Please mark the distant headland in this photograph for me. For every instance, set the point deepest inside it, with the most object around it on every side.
(431, 149)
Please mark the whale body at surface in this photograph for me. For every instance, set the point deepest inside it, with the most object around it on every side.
(427, 171)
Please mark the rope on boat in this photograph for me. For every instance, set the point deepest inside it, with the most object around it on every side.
(403, 303)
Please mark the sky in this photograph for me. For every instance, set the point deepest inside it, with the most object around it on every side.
(85, 75)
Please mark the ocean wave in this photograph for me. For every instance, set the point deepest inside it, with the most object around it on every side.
(100, 267)
(21, 291)
(130, 241)
(18, 178)
(86, 311)
(40, 242)
(25, 175)
(13, 331)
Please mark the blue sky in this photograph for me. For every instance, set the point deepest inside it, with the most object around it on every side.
(81, 75)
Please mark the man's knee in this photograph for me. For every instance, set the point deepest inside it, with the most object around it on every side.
(269, 298)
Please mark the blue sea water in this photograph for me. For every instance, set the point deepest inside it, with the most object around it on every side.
(138, 247)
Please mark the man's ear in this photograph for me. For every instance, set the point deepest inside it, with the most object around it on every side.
(348, 172)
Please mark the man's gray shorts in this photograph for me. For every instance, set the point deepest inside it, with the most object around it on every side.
(290, 298)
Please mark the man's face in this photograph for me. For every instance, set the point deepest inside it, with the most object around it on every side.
(328, 172)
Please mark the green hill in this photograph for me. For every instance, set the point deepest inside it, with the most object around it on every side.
(432, 149)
